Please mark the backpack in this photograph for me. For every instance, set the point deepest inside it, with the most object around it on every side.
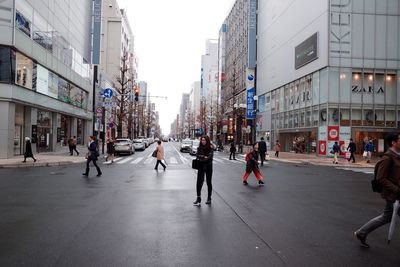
(376, 186)
(247, 158)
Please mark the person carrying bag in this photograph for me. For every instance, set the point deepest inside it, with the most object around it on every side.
(204, 158)
(92, 155)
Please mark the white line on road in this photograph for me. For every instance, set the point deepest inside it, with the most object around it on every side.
(136, 161)
(218, 160)
(148, 161)
(109, 162)
(184, 160)
(173, 160)
(125, 160)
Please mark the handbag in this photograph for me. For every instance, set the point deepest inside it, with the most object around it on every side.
(365, 154)
(154, 155)
(195, 164)
(267, 157)
(87, 155)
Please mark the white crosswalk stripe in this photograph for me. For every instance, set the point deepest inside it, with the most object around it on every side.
(218, 160)
(362, 170)
(148, 161)
(115, 160)
(136, 161)
(173, 160)
(125, 160)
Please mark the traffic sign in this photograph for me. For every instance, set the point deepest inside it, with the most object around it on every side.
(108, 93)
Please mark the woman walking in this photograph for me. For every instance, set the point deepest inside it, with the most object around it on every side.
(92, 155)
(110, 150)
(205, 154)
(252, 166)
(160, 155)
(28, 150)
(277, 148)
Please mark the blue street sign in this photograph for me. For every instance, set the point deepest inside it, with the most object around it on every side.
(108, 93)
(250, 103)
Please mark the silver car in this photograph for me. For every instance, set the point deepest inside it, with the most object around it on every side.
(194, 147)
(185, 145)
(124, 145)
(139, 144)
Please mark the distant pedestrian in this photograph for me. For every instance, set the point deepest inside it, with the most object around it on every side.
(240, 147)
(252, 166)
(352, 148)
(388, 175)
(205, 154)
(160, 155)
(92, 155)
(74, 144)
(110, 150)
(336, 152)
(70, 143)
(232, 150)
(28, 150)
(277, 148)
(262, 149)
(370, 148)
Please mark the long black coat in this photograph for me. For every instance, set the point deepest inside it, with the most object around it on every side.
(28, 149)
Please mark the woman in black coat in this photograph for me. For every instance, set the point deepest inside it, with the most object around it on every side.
(205, 154)
(92, 155)
(28, 150)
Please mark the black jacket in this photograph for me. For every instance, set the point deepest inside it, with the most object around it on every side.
(252, 163)
(233, 147)
(110, 148)
(262, 147)
(28, 149)
(93, 152)
(205, 155)
(352, 147)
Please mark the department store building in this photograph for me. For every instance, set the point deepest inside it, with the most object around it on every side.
(45, 74)
(328, 72)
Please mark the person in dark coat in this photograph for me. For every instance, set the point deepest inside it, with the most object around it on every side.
(71, 146)
(110, 150)
(28, 150)
(205, 153)
(262, 149)
(92, 155)
(74, 144)
(232, 150)
(388, 175)
(352, 148)
(252, 166)
(336, 152)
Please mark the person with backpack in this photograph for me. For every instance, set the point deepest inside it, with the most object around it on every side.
(232, 150)
(205, 154)
(336, 151)
(92, 155)
(252, 166)
(387, 182)
(352, 148)
(262, 149)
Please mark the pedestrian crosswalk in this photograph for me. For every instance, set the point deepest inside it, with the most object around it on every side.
(173, 160)
(361, 170)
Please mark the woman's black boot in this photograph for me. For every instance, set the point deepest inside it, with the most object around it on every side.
(197, 202)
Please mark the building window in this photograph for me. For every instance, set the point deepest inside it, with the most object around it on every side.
(24, 71)
(7, 65)
(22, 23)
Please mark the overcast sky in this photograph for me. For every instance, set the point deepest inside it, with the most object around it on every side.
(170, 37)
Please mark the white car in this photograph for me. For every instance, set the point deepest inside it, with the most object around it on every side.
(124, 145)
(194, 147)
(139, 144)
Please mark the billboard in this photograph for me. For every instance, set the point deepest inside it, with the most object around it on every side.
(306, 52)
(252, 34)
(251, 91)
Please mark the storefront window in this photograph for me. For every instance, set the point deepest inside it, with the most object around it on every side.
(334, 85)
(315, 116)
(345, 85)
(356, 117)
(53, 85)
(22, 23)
(24, 71)
(63, 90)
(315, 88)
(323, 116)
(391, 117)
(41, 34)
(368, 117)
(379, 89)
(380, 117)
(368, 87)
(344, 117)
(334, 115)
(323, 76)
(390, 88)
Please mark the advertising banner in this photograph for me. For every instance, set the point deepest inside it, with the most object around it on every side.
(252, 34)
(344, 133)
(251, 90)
(333, 133)
(42, 80)
(322, 147)
(322, 133)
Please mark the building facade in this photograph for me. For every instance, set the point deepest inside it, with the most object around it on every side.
(45, 74)
(329, 75)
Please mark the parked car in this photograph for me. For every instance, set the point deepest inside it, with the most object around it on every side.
(124, 145)
(194, 147)
(139, 144)
(185, 145)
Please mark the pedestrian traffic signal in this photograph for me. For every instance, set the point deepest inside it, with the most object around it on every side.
(136, 93)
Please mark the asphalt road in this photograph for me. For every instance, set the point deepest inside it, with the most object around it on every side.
(135, 216)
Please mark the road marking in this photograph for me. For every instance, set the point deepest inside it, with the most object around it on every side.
(242, 160)
(125, 160)
(184, 160)
(218, 160)
(136, 161)
(237, 161)
(148, 161)
(109, 162)
(173, 160)
(362, 170)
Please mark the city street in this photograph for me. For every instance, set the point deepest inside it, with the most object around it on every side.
(135, 216)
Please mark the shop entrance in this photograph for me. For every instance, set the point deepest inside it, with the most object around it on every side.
(378, 139)
(43, 141)
(299, 142)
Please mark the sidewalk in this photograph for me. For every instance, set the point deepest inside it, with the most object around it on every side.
(313, 159)
(46, 159)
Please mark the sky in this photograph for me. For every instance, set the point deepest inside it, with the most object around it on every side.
(169, 39)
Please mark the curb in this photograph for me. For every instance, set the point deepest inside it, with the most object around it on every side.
(40, 164)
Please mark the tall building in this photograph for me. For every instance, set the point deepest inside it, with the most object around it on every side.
(195, 98)
(183, 116)
(328, 72)
(45, 74)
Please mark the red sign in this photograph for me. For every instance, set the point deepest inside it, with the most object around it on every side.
(342, 148)
(333, 133)
(322, 148)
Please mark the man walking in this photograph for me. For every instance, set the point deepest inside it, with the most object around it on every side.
(74, 143)
(336, 152)
(232, 150)
(262, 149)
(370, 148)
(388, 175)
(352, 148)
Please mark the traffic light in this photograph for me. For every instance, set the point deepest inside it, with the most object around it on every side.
(136, 93)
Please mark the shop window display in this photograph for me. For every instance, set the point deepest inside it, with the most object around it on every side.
(24, 71)
(391, 117)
